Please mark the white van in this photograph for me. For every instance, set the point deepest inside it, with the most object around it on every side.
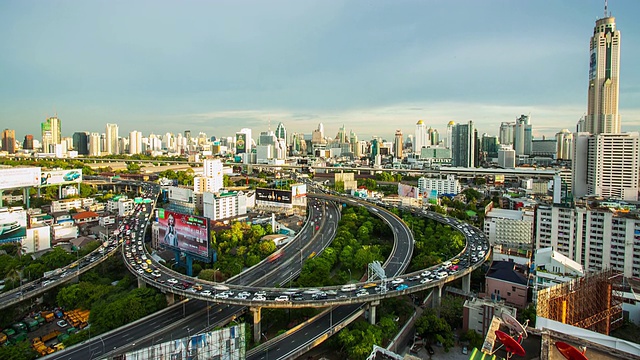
(348, 288)
(446, 264)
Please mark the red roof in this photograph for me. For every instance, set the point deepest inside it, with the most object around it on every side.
(85, 215)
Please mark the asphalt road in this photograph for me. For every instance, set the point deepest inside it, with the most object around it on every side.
(193, 318)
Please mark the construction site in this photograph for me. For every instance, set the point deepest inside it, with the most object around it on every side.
(593, 302)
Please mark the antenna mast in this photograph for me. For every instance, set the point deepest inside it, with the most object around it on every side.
(605, 8)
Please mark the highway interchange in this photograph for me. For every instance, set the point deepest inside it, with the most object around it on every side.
(186, 319)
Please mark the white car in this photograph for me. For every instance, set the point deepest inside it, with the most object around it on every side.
(425, 280)
(222, 295)
(282, 298)
(245, 294)
(362, 293)
(425, 274)
(259, 298)
(206, 293)
(397, 281)
(172, 281)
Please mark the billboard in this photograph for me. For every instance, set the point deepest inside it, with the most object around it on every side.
(298, 190)
(184, 232)
(241, 143)
(13, 224)
(273, 196)
(59, 177)
(407, 191)
(498, 179)
(17, 177)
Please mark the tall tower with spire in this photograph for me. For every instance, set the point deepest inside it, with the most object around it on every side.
(604, 75)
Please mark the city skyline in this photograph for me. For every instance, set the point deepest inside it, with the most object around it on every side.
(351, 63)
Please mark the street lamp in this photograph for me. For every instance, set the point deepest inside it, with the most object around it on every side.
(214, 274)
(102, 344)
(267, 348)
(349, 274)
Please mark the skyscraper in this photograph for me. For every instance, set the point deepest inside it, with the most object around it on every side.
(135, 142)
(51, 133)
(281, 132)
(112, 147)
(523, 138)
(421, 138)
(604, 74)
(94, 144)
(564, 144)
(27, 144)
(9, 141)
(463, 145)
(397, 144)
(81, 142)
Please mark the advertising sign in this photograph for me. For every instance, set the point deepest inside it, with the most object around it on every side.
(58, 177)
(13, 224)
(274, 196)
(298, 190)
(241, 143)
(407, 191)
(499, 179)
(17, 177)
(593, 62)
(184, 232)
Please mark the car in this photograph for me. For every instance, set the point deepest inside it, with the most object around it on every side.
(140, 271)
(172, 281)
(362, 293)
(402, 287)
(222, 295)
(206, 293)
(415, 277)
(425, 274)
(425, 280)
(282, 298)
(397, 281)
(464, 350)
(298, 297)
(62, 323)
(259, 298)
(429, 349)
(71, 176)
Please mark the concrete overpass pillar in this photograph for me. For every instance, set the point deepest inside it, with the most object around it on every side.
(436, 296)
(257, 329)
(170, 298)
(466, 283)
(372, 312)
(141, 284)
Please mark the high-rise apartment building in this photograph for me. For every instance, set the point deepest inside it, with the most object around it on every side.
(135, 142)
(9, 141)
(463, 145)
(608, 165)
(421, 138)
(447, 141)
(112, 144)
(51, 133)
(94, 144)
(397, 144)
(507, 130)
(595, 234)
(604, 75)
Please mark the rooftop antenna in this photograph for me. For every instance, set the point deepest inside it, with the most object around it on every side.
(606, 5)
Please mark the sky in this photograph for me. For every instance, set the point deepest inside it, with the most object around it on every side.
(373, 66)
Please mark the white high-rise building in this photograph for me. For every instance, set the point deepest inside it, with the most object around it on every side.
(604, 75)
(595, 234)
(450, 185)
(421, 138)
(510, 228)
(94, 144)
(606, 165)
(564, 145)
(135, 142)
(506, 157)
(212, 179)
(112, 139)
(447, 140)
(507, 130)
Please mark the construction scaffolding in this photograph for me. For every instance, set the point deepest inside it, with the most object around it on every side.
(593, 302)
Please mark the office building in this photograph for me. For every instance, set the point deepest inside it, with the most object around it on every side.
(507, 131)
(397, 144)
(463, 150)
(564, 145)
(224, 205)
(523, 138)
(449, 185)
(490, 146)
(421, 138)
(604, 74)
(9, 141)
(510, 228)
(51, 133)
(27, 144)
(81, 142)
(281, 132)
(112, 146)
(606, 165)
(94, 144)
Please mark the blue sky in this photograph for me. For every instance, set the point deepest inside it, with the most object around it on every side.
(374, 66)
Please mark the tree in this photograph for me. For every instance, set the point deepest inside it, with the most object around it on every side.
(474, 339)
(430, 326)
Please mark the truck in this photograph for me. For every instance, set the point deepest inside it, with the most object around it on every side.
(62, 337)
(52, 335)
(18, 337)
(48, 316)
(19, 327)
(32, 324)
(3, 338)
(52, 273)
(41, 348)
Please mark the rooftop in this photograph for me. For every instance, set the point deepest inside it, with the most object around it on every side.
(507, 271)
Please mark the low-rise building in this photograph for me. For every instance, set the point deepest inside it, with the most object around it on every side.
(477, 314)
(38, 238)
(63, 232)
(224, 205)
(507, 281)
(85, 217)
(553, 268)
(69, 204)
(450, 185)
